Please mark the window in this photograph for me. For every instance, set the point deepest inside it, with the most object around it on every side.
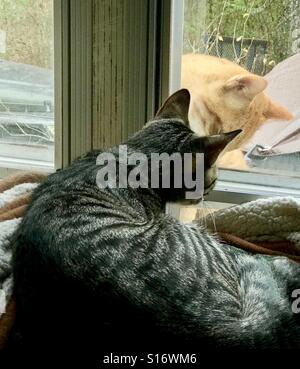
(26, 84)
(263, 37)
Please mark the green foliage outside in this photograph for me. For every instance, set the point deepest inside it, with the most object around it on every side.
(244, 21)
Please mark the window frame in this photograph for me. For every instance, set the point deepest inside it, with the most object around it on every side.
(87, 34)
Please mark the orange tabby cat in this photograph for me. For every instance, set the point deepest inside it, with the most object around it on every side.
(225, 97)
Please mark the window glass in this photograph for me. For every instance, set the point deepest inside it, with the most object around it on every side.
(241, 63)
(263, 38)
(26, 83)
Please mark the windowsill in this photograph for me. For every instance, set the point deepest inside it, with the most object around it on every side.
(238, 187)
(25, 164)
(239, 193)
(227, 192)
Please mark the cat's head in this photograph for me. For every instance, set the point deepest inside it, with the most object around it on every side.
(169, 133)
(232, 98)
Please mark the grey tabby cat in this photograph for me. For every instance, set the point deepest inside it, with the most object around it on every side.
(100, 270)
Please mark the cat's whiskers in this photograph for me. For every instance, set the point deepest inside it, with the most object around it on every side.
(211, 214)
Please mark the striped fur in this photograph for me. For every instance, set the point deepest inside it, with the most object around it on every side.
(107, 269)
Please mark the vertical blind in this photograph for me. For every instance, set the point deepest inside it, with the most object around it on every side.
(111, 70)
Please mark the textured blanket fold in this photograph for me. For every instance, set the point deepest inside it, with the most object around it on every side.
(268, 226)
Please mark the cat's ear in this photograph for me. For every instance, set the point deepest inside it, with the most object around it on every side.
(276, 111)
(248, 85)
(176, 106)
(214, 145)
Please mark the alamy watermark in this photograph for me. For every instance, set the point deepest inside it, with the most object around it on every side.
(160, 170)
